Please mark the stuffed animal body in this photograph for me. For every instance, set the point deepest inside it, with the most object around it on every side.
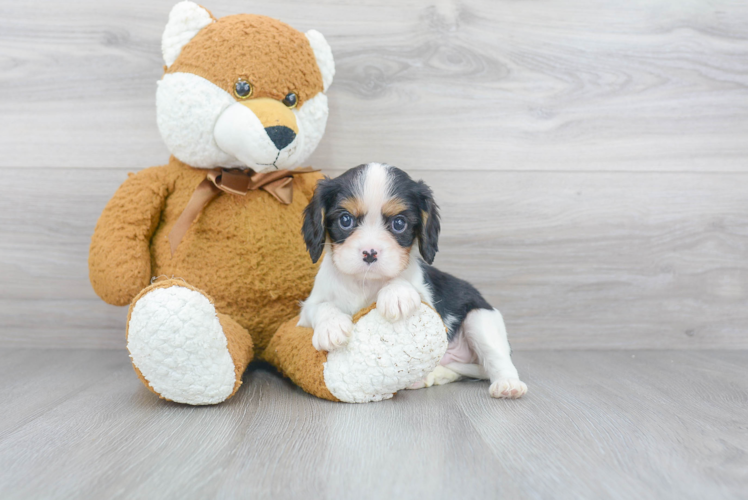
(241, 96)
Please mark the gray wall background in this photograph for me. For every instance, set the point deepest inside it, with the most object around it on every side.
(590, 158)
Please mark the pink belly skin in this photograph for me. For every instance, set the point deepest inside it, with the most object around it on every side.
(458, 351)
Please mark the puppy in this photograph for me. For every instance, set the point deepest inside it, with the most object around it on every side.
(381, 230)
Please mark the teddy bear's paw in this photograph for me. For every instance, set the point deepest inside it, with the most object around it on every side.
(398, 300)
(177, 343)
(332, 332)
(510, 388)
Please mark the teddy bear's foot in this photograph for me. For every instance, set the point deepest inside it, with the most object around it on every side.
(383, 357)
(184, 350)
(380, 358)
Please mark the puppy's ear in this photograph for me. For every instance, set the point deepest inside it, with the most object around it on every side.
(428, 234)
(313, 227)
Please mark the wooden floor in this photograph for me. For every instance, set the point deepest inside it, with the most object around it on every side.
(595, 424)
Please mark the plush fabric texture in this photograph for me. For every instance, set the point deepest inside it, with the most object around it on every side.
(187, 110)
(242, 268)
(240, 346)
(236, 279)
(178, 345)
(323, 53)
(380, 358)
(186, 19)
(383, 357)
(291, 352)
(275, 58)
(237, 341)
(245, 251)
(119, 259)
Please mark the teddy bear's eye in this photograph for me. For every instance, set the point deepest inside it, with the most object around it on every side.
(290, 100)
(243, 89)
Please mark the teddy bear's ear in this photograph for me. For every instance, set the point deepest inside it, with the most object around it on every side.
(185, 20)
(323, 54)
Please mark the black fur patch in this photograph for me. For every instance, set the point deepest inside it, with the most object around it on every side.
(420, 200)
(323, 212)
(452, 297)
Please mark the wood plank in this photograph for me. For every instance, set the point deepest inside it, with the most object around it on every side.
(618, 425)
(436, 85)
(573, 260)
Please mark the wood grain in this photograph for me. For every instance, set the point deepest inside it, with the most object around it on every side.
(618, 425)
(594, 260)
(433, 85)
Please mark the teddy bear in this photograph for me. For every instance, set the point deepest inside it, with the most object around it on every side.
(207, 250)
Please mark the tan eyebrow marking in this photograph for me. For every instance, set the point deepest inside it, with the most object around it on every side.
(393, 206)
(354, 206)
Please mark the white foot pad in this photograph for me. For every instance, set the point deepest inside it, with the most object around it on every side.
(511, 388)
(177, 343)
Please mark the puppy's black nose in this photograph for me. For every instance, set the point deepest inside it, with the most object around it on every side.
(280, 135)
(370, 256)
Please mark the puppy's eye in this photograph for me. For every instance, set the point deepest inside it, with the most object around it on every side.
(243, 89)
(290, 100)
(399, 224)
(346, 221)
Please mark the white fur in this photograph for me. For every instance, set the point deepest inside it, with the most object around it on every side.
(178, 344)
(204, 126)
(349, 294)
(486, 334)
(398, 299)
(240, 134)
(333, 328)
(186, 19)
(383, 357)
(187, 108)
(449, 321)
(311, 118)
(323, 54)
(370, 234)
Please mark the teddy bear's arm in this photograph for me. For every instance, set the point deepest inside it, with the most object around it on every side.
(119, 260)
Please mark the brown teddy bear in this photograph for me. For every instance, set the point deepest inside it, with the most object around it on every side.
(207, 249)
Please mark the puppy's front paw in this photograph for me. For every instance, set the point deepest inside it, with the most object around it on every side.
(398, 300)
(332, 332)
(511, 388)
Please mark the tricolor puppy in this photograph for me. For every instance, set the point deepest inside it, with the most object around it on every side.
(381, 231)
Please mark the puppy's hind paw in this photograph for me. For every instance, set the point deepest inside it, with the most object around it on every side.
(510, 388)
(440, 376)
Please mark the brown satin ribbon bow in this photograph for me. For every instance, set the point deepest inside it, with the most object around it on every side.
(278, 183)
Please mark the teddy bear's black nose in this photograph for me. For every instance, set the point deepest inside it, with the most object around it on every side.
(281, 136)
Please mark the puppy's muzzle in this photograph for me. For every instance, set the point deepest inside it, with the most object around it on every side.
(370, 256)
